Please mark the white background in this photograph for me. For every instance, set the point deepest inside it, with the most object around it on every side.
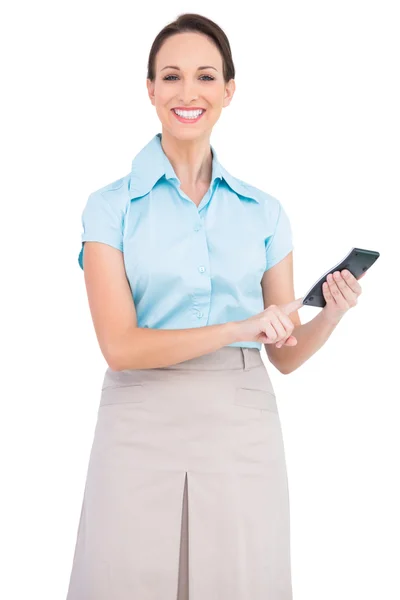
(314, 122)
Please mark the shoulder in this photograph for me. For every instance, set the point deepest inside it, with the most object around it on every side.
(116, 191)
(113, 196)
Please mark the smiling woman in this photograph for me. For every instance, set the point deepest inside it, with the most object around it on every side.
(178, 81)
(188, 449)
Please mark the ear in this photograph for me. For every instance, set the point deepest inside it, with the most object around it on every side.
(230, 88)
(150, 90)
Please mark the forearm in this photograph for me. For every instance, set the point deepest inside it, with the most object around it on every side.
(310, 337)
(145, 348)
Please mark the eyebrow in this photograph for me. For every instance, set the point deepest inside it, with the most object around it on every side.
(199, 68)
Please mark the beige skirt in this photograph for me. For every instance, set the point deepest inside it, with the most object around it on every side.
(186, 494)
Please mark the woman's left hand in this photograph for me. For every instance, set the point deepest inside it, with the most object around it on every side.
(340, 293)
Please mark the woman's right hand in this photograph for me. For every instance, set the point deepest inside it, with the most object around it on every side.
(271, 326)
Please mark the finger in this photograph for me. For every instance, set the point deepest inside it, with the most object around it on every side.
(270, 333)
(352, 281)
(271, 329)
(327, 293)
(292, 306)
(347, 292)
(285, 320)
(336, 292)
(287, 324)
(290, 341)
(279, 327)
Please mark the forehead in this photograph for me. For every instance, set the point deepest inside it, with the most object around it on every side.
(188, 50)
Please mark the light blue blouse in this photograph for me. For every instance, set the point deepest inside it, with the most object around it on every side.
(188, 266)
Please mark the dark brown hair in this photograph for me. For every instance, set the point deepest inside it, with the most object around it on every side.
(198, 24)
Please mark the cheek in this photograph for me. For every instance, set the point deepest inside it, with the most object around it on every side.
(163, 95)
(214, 94)
(163, 100)
(215, 100)
(162, 109)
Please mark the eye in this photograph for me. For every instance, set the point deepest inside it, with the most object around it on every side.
(167, 78)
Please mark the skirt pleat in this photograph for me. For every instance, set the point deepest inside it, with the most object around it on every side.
(186, 494)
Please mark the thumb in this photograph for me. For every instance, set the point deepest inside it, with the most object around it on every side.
(291, 306)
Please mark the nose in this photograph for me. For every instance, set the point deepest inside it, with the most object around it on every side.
(187, 93)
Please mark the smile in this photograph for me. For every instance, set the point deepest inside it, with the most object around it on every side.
(190, 116)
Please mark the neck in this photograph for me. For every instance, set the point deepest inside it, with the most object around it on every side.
(190, 159)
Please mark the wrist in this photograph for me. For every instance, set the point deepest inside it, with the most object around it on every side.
(329, 317)
(234, 329)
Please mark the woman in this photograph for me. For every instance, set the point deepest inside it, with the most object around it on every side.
(188, 272)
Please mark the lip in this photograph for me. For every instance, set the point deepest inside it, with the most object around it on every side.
(188, 108)
(183, 120)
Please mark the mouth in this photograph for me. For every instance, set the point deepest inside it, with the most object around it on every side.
(188, 116)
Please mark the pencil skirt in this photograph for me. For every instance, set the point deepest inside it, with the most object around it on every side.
(186, 494)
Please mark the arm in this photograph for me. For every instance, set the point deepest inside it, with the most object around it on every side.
(310, 337)
(278, 288)
(142, 348)
(123, 344)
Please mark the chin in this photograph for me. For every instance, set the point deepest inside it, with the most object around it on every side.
(185, 133)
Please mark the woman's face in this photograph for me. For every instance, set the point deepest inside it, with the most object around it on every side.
(188, 86)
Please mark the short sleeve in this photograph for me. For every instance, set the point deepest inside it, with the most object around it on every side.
(102, 221)
(280, 242)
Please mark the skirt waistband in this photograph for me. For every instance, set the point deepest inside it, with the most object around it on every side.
(224, 359)
(228, 357)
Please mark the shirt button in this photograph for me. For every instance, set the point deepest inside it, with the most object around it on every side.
(199, 315)
(202, 269)
(197, 227)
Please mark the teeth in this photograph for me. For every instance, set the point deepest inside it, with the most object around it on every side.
(189, 114)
